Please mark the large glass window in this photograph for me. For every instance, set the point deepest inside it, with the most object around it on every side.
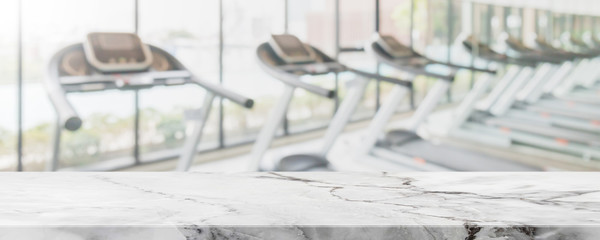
(543, 24)
(559, 26)
(514, 22)
(8, 85)
(313, 21)
(459, 28)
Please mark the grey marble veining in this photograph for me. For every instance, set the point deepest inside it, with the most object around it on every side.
(299, 206)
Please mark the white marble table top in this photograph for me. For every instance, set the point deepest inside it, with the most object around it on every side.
(299, 205)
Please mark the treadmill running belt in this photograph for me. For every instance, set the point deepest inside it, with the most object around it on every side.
(549, 131)
(458, 159)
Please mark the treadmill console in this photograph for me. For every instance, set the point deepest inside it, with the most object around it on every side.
(393, 47)
(291, 50)
(117, 52)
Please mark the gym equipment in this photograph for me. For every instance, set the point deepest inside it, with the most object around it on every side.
(500, 129)
(526, 94)
(585, 86)
(287, 59)
(406, 146)
(120, 61)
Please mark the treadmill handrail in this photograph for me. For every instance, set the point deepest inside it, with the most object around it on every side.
(531, 54)
(498, 57)
(451, 65)
(547, 48)
(476, 69)
(215, 88)
(66, 115)
(415, 71)
(422, 71)
(404, 83)
(224, 93)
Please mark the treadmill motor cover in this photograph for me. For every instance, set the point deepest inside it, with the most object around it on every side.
(393, 47)
(291, 50)
(117, 52)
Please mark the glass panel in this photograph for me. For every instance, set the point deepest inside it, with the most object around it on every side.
(395, 19)
(247, 24)
(461, 27)
(431, 28)
(357, 22)
(514, 22)
(106, 133)
(498, 25)
(189, 30)
(313, 22)
(560, 27)
(543, 22)
(8, 85)
(528, 26)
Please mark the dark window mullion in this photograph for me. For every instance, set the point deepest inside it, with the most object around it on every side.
(20, 86)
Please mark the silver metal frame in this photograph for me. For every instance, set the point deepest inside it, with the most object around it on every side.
(190, 146)
(269, 130)
(378, 123)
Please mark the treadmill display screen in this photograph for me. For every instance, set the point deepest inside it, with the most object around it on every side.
(291, 46)
(117, 48)
(395, 48)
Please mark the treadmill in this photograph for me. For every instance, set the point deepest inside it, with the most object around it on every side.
(560, 113)
(525, 97)
(579, 67)
(560, 93)
(121, 61)
(405, 146)
(593, 42)
(288, 59)
(588, 85)
(504, 131)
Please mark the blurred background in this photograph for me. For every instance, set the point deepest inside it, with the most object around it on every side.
(217, 39)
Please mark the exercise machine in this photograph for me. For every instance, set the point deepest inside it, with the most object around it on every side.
(288, 59)
(121, 61)
(526, 94)
(483, 125)
(406, 146)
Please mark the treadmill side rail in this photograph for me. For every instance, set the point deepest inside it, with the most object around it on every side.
(269, 129)
(379, 121)
(191, 143)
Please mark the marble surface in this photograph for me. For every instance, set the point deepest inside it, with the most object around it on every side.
(197, 205)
